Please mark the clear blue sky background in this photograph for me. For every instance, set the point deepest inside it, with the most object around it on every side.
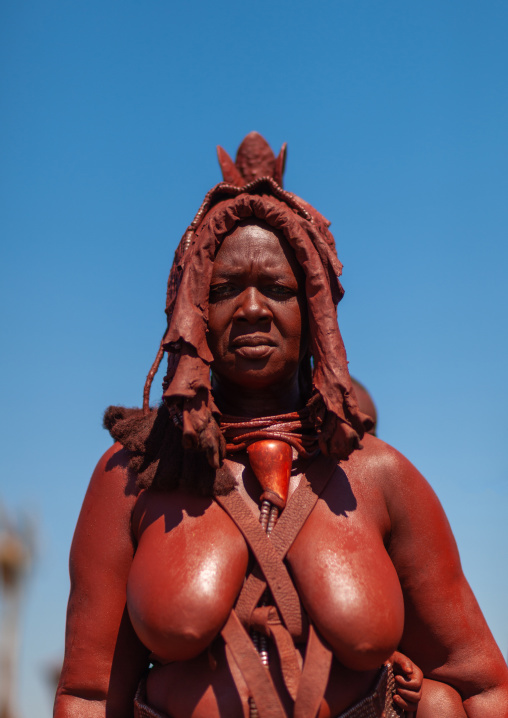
(395, 113)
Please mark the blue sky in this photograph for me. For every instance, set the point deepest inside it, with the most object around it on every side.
(395, 115)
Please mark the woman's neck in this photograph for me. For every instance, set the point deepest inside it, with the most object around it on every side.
(240, 401)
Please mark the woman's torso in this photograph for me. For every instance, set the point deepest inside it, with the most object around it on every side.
(190, 565)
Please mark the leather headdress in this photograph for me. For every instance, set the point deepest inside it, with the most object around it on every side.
(252, 189)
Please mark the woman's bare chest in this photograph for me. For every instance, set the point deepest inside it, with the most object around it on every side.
(189, 566)
(347, 582)
(192, 560)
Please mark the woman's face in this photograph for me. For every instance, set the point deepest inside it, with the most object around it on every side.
(256, 309)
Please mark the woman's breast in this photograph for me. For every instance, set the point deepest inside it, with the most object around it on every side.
(349, 585)
(189, 566)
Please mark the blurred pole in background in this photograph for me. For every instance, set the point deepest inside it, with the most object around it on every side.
(16, 554)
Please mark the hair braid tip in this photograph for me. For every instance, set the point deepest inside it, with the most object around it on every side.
(149, 379)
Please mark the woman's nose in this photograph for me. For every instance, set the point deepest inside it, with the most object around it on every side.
(252, 307)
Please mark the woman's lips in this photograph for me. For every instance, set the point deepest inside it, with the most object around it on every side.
(258, 352)
(252, 346)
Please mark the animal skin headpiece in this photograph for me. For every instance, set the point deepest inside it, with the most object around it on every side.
(251, 190)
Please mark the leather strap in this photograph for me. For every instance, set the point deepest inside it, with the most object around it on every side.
(282, 537)
(275, 572)
(250, 595)
(316, 670)
(305, 687)
(266, 620)
(257, 678)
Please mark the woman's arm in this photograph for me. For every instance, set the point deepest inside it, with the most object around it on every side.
(445, 632)
(103, 657)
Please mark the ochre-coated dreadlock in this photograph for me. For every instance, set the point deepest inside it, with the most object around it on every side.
(168, 455)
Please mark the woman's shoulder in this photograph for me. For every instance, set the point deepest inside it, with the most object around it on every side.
(383, 466)
(381, 460)
(412, 503)
(113, 473)
(114, 459)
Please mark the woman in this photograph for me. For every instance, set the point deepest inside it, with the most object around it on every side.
(222, 543)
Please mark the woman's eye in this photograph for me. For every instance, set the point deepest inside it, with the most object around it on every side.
(226, 290)
(220, 291)
(279, 290)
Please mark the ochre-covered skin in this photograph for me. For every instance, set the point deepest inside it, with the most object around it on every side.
(379, 520)
(155, 574)
(185, 576)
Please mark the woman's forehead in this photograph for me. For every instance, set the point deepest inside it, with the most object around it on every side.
(257, 242)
